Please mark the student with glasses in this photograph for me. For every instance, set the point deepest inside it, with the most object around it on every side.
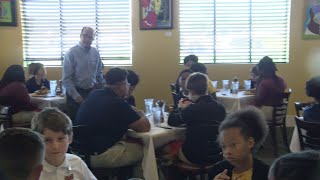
(82, 71)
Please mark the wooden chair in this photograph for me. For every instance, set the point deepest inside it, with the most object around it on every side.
(173, 88)
(209, 131)
(81, 147)
(309, 134)
(299, 106)
(279, 120)
(5, 116)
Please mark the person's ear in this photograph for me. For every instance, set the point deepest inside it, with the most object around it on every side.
(251, 142)
(70, 138)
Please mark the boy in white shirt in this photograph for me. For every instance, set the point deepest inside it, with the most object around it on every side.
(56, 127)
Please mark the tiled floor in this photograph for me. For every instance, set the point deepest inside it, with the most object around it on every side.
(266, 154)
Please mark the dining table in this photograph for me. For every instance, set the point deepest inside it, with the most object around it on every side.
(48, 101)
(235, 102)
(157, 137)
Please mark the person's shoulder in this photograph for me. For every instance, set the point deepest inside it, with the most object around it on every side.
(73, 159)
(16, 84)
(30, 81)
(260, 167)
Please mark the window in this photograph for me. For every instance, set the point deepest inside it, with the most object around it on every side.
(51, 27)
(235, 31)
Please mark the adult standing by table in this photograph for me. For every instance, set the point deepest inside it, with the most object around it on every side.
(82, 71)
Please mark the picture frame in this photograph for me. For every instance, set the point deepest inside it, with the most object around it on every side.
(8, 15)
(155, 14)
(311, 26)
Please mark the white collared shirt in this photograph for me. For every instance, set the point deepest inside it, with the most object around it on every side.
(72, 166)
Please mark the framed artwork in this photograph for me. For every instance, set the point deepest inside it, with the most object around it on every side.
(312, 20)
(155, 14)
(8, 13)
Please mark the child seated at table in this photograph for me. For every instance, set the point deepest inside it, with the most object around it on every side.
(56, 127)
(240, 134)
(303, 165)
(312, 112)
(198, 114)
(38, 80)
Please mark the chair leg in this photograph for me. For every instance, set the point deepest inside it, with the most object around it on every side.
(285, 137)
(274, 140)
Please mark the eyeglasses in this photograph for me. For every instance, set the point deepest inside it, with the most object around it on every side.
(88, 36)
(124, 83)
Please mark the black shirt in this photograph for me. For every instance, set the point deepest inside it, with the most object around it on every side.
(198, 147)
(107, 116)
(259, 171)
(32, 85)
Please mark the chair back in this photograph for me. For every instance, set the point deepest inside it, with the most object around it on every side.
(173, 88)
(309, 134)
(5, 116)
(175, 98)
(280, 111)
(299, 106)
(80, 144)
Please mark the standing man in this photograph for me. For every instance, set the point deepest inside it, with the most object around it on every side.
(82, 71)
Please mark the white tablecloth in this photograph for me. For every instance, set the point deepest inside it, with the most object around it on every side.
(235, 102)
(50, 101)
(295, 142)
(156, 138)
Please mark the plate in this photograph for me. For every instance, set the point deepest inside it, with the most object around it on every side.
(40, 95)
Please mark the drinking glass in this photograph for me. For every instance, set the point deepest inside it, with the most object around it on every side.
(148, 103)
(247, 85)
(156, 112)
(225, 85)
(53, 86)
(215, 84)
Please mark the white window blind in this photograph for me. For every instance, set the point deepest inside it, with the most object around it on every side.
(235, 31)
(51, 27)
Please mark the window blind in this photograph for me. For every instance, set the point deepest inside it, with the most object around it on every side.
(52, 27)
(235, 31)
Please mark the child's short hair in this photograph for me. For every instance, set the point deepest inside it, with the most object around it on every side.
(296, 166)
(198, 83)
(133, 78)
(313, 87)
(53, 119)
(251, 123)
(190, 57)
(21, 150)
(199, 67)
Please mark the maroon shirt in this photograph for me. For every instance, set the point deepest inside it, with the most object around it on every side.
(268, 91)
(16, 95)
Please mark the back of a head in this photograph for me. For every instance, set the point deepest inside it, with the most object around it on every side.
(190, 57)
(313, 87)
(115, 75)
(266, 66)
(13, 73)
(53, 119)
(198, 67)
(254, 70)
(303, 165)
(197, 83)
(21, 150)
(133, 78)
(251, 123)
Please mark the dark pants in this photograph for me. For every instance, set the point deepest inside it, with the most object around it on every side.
(73, 106)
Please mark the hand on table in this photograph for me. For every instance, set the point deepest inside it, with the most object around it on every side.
(222, 176)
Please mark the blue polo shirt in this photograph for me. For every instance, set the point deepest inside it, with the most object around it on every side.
(107, 116)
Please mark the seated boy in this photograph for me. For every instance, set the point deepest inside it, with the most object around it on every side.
(21, 154)
(56, 128)
(199, 114)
